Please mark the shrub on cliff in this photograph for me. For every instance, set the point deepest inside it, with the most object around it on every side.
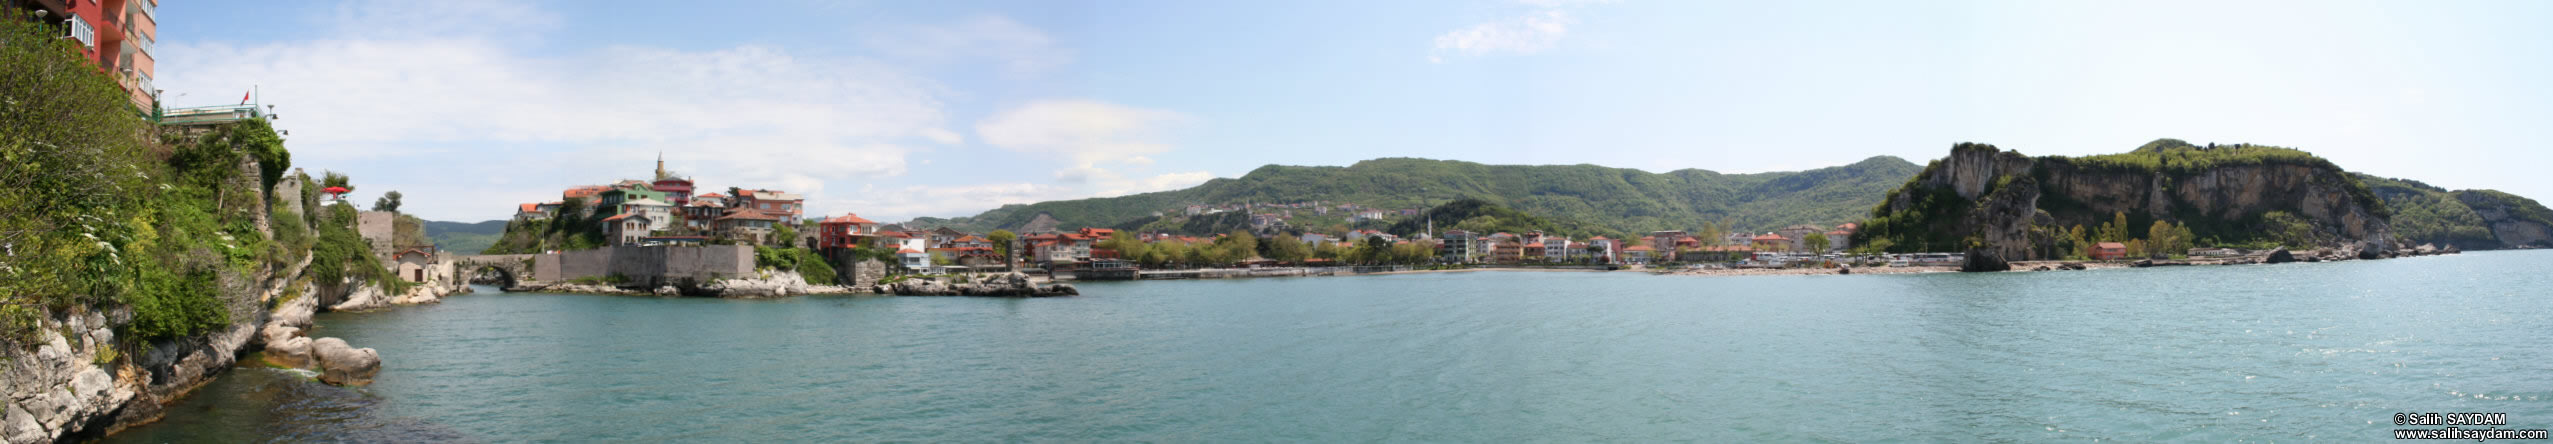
(96, 211)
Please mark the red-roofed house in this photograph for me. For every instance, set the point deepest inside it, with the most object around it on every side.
(1637, 254)
(627, 228)
(2109, 251)
(775, 203)
(845, 231)
(589, 193)
(534, 211)
(746, 225)
(1771, 242)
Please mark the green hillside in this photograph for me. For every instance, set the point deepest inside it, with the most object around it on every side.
(1611, 199)
(464, 237)
(2425, 214)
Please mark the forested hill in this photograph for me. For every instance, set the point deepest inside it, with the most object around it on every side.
(2468, 219)
(1623, 199)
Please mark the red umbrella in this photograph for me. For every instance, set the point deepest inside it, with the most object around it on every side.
(335, 190)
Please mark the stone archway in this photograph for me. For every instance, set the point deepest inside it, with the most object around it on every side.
(513, 269)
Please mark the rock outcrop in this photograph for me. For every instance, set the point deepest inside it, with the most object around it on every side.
(2014, 204)
(769, 284)
(342, 364)
(1009, 285)
(66, 385)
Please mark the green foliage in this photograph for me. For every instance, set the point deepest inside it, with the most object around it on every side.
(2175, 158)
(1481, 216)
(465, 238)
(1927, 223)
(1604, 199)
(806, 262)
(2425, 214)
(388, 202)
(332, 179)
(573, 228)
(96, 211)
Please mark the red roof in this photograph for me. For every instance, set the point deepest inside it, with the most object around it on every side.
(970, 238)
(619, 217)
(1640, 248)
(849, 218)
(711, 195)
(907, 251)
(584, 191)
(1770, 237)
(530, 207)
(747, 214)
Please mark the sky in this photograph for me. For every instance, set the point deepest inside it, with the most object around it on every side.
(893, 110)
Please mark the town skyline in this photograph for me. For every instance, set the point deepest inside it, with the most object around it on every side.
(897, 111)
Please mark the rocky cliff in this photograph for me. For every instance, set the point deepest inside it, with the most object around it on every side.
(2466, 219)
(2016, 207)
(80, 379)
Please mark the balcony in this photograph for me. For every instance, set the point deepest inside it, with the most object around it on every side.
(81, 31)
(208, 116)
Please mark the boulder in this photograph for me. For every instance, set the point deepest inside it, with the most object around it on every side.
(668, 290)
(2142, 263)
(1849, 270)
(2279, 256)
(293, 352)
(341, 364)
(2072, 266)
(1984, 259)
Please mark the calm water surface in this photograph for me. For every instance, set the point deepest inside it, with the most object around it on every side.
(2301, 352)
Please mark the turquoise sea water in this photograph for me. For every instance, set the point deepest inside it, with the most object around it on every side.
(2297, 352)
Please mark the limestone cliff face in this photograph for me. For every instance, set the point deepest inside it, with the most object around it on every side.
(2507, 217)
(2012, 204)
(2225, 193)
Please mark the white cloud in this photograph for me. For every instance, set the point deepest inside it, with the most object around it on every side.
(416, 80)
(1522, 35)
(1088, 132)
(1165, 182)
(1530, 33)
(905, 203)
(1017, 48)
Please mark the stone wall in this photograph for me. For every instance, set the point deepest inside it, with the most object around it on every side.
(378, 228)
(649, 266)
(865, 273)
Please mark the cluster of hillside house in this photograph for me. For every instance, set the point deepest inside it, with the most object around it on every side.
(667, 211)
(1459, 246)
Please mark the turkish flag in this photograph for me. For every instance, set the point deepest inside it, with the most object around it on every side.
(243, 98)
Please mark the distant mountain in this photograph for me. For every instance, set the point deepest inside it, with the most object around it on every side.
(2467, 219)
(1619, 200)
(464, 237)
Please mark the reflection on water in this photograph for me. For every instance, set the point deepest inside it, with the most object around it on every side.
(259, 404)
(2296, 352)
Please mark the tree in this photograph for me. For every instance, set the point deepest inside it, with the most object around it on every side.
(783, 235)
(1002, 242)
(2165, 240)
(2081, 241)
(388, 202)
(1126, 245)
(1818, 242)
(1288, 249)
(335, 179)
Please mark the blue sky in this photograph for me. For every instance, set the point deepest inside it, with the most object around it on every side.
(902, 109)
